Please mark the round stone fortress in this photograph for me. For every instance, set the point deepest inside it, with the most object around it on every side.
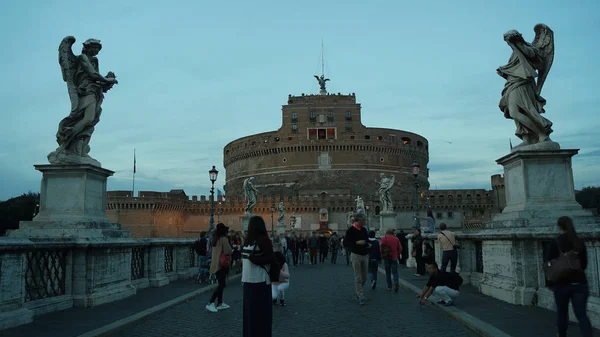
(322, 148)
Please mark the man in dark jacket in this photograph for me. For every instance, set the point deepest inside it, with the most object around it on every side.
(358, 242)
(313, 246)
(444, 285)
(404, 243)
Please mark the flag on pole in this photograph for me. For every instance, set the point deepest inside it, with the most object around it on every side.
(220, 194)
(134, 161)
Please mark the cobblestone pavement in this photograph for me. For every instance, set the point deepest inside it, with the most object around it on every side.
(515, 320)
(321, 302)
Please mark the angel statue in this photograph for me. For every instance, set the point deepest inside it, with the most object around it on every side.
(385, 193)
(86, 87)
(281, 215)
(251, 194)
(521, 100)
(293, 219)
(360, 205)
(322, 80)
(350, 219)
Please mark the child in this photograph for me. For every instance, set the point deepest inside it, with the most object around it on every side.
(278, 288)
(374, 259)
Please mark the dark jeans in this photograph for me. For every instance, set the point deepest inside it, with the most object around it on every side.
(295, 254)
(373, 269)
(313, 255)
(391, 269)
(322, 254)
(420, 265)
(334, 254)
(449, 256)
(221, 280)
(578, 294)
(348, 252)
(258, 310)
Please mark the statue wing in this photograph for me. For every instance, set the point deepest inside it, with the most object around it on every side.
(317, 77)
(68, 65)
(327, 79)
(544, 43)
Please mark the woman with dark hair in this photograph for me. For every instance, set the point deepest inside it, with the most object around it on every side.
(236, 256)
(428, 254)
(430, 222)
(574, 286)
(257, 259)
(417, 252)
(220, 245)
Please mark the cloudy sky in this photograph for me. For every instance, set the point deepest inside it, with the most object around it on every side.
(195, 75)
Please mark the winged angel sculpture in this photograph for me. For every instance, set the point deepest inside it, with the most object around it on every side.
(521, 96)
(86, 87)
(322, 82)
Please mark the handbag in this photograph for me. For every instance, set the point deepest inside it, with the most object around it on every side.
(454, 245)
(560, 268)
(225, 260)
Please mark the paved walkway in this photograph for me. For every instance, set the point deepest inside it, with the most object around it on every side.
(514, 320)
(321, 302)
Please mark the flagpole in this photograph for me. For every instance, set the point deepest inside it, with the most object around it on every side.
(133, 187)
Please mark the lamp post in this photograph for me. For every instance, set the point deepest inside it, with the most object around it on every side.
(213, 173)
(415, 172)
(367, 215)
(272, 228)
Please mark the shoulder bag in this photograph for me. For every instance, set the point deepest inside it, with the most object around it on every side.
(224, 259)
(560, 268)
(454, 245)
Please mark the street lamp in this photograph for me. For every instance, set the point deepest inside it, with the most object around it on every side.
(213, 173)
(415, 172)
(272, 228)
(367, 215)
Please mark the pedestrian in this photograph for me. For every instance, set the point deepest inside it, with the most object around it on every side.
(390, 253)
(374, 259)
(236, 256)
(417, 252)
(573, 285)
(303, 248)
(428, 254)
(347, 250)
(323, 247)
(404, 243)
(444, 285)
(283, 283)
(358, 238)
(313, 245)
(430, 227)
(284, 246)
(334, 245)
(294, 247)
(447, 242)
(257, 257)
(220, 246)
(201, 248)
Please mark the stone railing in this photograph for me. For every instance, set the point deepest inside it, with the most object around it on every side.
(38, 277)
(509, 266)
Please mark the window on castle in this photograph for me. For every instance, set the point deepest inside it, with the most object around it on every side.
(313, 116)
(379, 138)
(439, 216)
(406, 140)
(450, 215)
(294, 116)
(330, 116)
(348, 115)
(367, 137)
(294, 127)
(321, 133)
(348, 126)
(312, 133)
(331, 133)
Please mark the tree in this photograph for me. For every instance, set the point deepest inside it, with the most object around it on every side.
(589, 197)
(15, 210)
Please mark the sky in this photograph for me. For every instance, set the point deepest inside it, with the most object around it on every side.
(195, 75)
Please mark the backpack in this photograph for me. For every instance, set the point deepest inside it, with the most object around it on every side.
(200, 246)
(386, 251)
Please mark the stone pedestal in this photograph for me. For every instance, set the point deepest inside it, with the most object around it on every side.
(72, 204)
(388, 220)
(281, 227)
(539, 189)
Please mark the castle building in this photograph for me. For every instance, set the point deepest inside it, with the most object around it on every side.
(319, 160)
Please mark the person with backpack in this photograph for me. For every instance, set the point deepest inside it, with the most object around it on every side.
(334, 244)
(565, 262)
(200, 247)
(390, 253)
(374, 259)
(219, 266)
(444, 285)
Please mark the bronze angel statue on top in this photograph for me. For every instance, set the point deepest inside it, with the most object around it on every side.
(322, 81)
(86, 87)
(521, 96)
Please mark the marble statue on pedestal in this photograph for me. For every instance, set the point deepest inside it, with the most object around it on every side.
(281, 215)
(251, 194)
(350, 219)
(521, 97)
(385, 193)
(86, 88)
(360, 205)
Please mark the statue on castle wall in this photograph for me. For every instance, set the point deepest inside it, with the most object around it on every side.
(521, 97)
(86, 88)
(350, 219)
(281, 215)
(360, 205)
(385, 193)
(251, 195)
(322, 81)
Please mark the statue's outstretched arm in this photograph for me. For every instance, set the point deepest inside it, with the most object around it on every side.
(91, 71)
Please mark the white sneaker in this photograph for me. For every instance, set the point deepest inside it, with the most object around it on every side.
(211, 307)
(222, 306)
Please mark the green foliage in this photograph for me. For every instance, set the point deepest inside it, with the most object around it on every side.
(589, 197)
(17, 209)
